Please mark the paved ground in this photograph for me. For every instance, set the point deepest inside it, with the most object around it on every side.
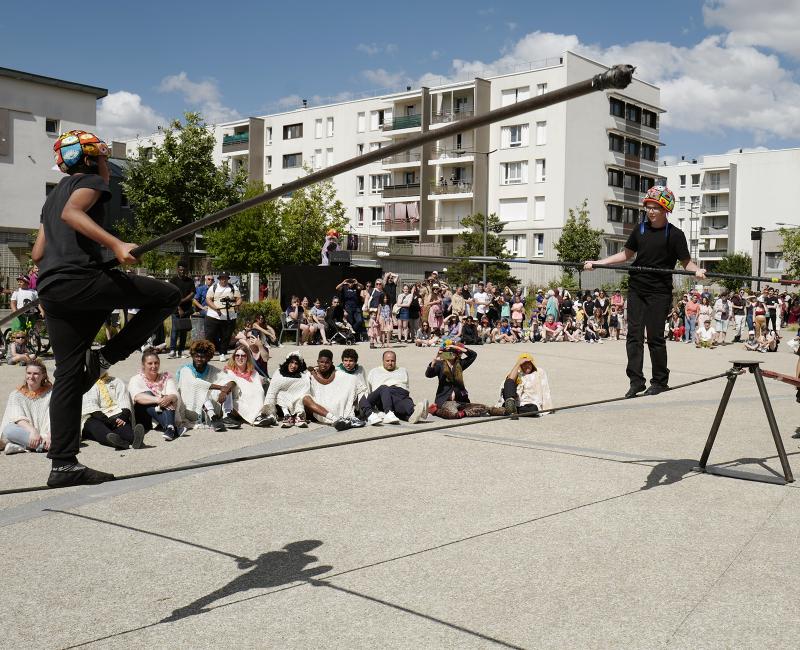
(585, 528)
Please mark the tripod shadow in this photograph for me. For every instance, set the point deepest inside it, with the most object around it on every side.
(669, 472)
(269, 570)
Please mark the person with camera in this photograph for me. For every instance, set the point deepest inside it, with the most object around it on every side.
(350, 295)
(181, 324)
(222, 302)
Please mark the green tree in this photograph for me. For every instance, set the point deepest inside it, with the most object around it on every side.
(579, 241)
(735, 264)
(498, 273)
(178, 182)
(791, 251)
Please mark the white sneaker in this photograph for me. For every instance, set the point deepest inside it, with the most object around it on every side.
(172, 355)
(223, 357)
(391, 418)
(375, 419)
(420, 412)
(14, 448)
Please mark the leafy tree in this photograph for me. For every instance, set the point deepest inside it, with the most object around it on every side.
(735, 264)
(579, 241)
(179, 182)
(791, 251)
(497, 273)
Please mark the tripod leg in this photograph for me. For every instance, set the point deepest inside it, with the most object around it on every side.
(726, 395)
(773, 426)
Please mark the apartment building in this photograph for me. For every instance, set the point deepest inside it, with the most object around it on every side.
(720, 199)
(34, 110)
(529, 170)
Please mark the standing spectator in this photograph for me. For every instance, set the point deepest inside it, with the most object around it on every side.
(390, 286)
(349, 293)
(481, 300)
(23, 295)
(706, 311)
(385, 319)
(722, 311)
(33, 277)
(26, 421)
(223, 301)
(458, 305)
(566, 308)
(759, 318)
(414, 312)
(771, 303)
(552, 308)
(435, 310)
(155, 397)
(738, 310)
(177, 338)
(199, 300)
(403, 305)
(692, 311)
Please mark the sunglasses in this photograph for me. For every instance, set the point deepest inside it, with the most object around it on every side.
(239, 356)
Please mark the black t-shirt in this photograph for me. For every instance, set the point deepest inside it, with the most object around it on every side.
(185, 285)
(349, 296)
(738, 304)
(771, 302)
(375, 298)
(660, 248)
(67, 253)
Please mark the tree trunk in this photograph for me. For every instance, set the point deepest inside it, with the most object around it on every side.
(185, 258)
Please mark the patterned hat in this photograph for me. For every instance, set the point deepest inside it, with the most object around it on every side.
(662, 195)
(72, 146)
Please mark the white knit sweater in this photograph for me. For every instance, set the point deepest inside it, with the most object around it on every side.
(36, 411)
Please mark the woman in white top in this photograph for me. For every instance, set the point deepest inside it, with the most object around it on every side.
(248, 395)
(286, 390)
(525, 388)
(107, 417)
(26, 421)
(155, 397)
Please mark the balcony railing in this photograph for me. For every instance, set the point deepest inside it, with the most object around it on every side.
(717, 232)
(402, 225)
(715, 207)
(394, 191)
(715, 186)
(236, 138)
(448, 223)
(403, 122)
(717, 252)
(428, 249)
(441, 153)
(451, 116)
(406, 157)
(457, 187)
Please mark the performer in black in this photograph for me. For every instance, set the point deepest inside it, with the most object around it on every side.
(78, 294)
(655, 244)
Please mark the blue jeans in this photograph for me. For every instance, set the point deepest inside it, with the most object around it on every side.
(146, 413)
(19, 436)
(691, 326)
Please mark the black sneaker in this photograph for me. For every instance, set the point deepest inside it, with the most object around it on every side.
(116, 440)
(265, 421)
(656, 389)
(169, 434)
(218, 425)
(342, 424)
(138, 436)
(510, 406)
(633, 391)
(81, 476)
(231, 422)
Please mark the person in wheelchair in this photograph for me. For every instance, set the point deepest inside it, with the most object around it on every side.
(337, 325)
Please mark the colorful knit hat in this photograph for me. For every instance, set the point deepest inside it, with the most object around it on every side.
(71, 147)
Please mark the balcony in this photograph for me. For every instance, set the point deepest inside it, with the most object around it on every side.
(402, 159)
(445, 117)
(718, 186)
(447, 226)
(714, 232)
(715, 253)
(457, 187)
(409, 190)
(441, 155)
(428, 249)
(627, 195)
(719, 206)
(235, 142)
(403, 122)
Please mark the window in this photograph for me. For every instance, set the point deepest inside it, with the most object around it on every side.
(511, 136)
(329, 160)
(318, 128)
(516, 245)
(362, 123)
(633, 113)
(377, 181)
(649, 118)
(541, 89)
(774, 261)
(375, 145)
(695, 180)
(538, 208)
(613, 247)
(514, 173)
(541, 133)
(615, 177)
(630, 215)
(541, 170)
(269, 135)
(49, 187)
(360, 215)
(377, 214)
(514, 95)
(513, 209)
(632, 147)
(377, 119)
(616, 143)
(316, 161)
(291, 160)
(329, 127)
(51, 126)
(648, 151)
(616, 107)
(614, 213)
(695, 201)
(292, 131)
(269, 164)
(646, 182)
(538, 244)
(682, 179)
(681, 203)
(359, 184)
(360, 149)
(630, 182)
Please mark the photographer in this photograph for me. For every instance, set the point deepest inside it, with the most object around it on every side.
(222, 301)
(350, 293)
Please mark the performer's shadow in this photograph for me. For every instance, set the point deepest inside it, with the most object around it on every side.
(269, 570)
(668, 472)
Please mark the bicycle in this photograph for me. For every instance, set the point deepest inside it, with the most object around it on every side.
(35, 328)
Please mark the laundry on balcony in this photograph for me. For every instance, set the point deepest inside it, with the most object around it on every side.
(401, 216)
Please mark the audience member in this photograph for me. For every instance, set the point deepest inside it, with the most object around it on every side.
(388, 400)
(526, 389)
(155, 397)
(107, 415)
(26, 420)
(333, 394)
(286, 392)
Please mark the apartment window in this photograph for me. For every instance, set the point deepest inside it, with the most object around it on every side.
(359, 184)
(514, 95)
(51, 126)
(632, 147)
(329, 159)
(362, 123)
(713, 204)
(511, 136)
(614, 213)
(377, 119)
(630, 215)
(633, 113)
(649, 118)
(616, 107)
(682, 180)
(316, 161)
(269, 135)
(774, 261)
(375, 145)
(615, 177)
(616, 143)
(541, 170)
(513, 209)
(541, 133)
(377, 214)
(538, 244)
(269, 163)
(291, 160)
(360, 215)
(630, 182)
(538, 208)
(541, 89)
(613, 247)
(514, 173)
(695, 180)
(376, 182)
(49, 187)
(681, 203)
(648, 151)
(293, 131)
(516, 245)
(318, 128)
(329, 127)
(646, 182)
(695, 201)
(360, 149)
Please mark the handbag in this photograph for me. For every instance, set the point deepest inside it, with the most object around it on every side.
(396, 309)
(183, 324)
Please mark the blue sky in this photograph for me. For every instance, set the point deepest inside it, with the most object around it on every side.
(728, 69)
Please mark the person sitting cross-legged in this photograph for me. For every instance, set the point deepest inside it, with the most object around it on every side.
(389, 401)
(525, 388)
(26, 421)
(155, 397)
(107, 414)
(204, 390)
(247, 398)
(333, 394)
(286, 391)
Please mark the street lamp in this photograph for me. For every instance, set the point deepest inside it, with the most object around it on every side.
(755, 235)
(694, 217)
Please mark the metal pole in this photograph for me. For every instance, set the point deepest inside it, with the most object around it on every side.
(773, 425)
(761, 236)
(485, 227)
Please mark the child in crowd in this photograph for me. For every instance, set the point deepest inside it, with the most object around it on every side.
(613, 323)
(385, 320)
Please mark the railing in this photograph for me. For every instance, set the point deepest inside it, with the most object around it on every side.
(431, 249)
(403, 122)
(451, 116)
(449, 223)
(407, 157)
(441, 153)
(717, 252)
(719, 232)
(403, 225)
(459, 187)
(394, 191)
(236, 138)
(718, 207)
(713, 186)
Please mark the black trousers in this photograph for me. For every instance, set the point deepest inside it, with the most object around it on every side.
(76, 310)
(510, 391)
(385, 399)
(647, 315)
(98, 430)
(219, 332)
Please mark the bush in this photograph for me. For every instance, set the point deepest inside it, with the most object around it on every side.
(270, 309)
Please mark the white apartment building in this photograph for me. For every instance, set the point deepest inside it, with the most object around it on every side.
(719, 200)
(529, 170)
(34, 110)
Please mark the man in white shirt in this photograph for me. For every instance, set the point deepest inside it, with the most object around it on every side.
(706, 336)
(223, 301)
(482, 300)
(388, 400)
(333, 394)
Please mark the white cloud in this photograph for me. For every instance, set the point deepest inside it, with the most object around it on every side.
(435, 54)
(203, 96)
(511, 26)
(384, 79)
(371, 49)
(122, 115)
(772, 24)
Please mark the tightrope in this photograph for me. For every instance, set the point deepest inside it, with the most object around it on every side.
(331, 445)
